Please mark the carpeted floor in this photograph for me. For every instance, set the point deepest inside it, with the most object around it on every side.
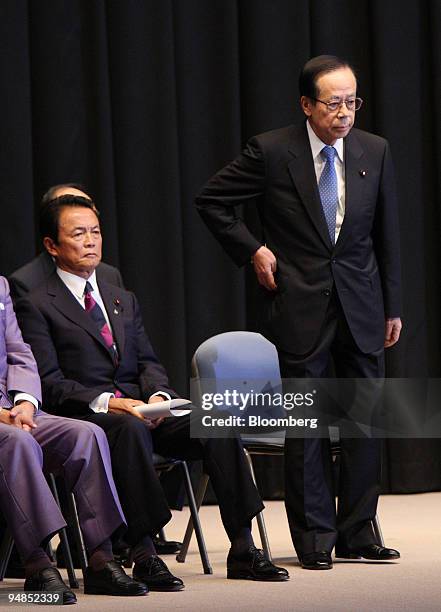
(411, 523)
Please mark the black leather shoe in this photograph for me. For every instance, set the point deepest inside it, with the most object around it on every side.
(112, 580)
(320, 560)
(156, 575)
(166, 547)
(372, 551)
(253, 565)
(49, 580)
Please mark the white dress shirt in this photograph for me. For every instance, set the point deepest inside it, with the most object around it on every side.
(25, 397)
(76, 285)
(319, 163)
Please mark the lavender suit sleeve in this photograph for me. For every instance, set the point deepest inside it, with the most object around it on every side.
(20, 367)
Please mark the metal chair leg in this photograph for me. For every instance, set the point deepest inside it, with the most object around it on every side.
(377, 530)
(199, 498)
(5, 552)
(259, 517)
(50, 552)
(161, 534)
(194, 505)
(79, 541)
(73, 582)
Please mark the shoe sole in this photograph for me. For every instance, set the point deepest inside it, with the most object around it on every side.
(244, 576)
(324, 567)
(366, 558)
(167, 589)
(64, 602)
(96, 591)
(354, 556)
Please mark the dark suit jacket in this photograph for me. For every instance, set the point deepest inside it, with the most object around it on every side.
(74, 363)
(276, 172)
(35, 272)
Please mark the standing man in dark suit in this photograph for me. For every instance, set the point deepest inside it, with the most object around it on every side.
(96, 363)
(329, 271)
(35, 272)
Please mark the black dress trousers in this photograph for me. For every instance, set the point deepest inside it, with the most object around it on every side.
(314, 523)
(142, 497)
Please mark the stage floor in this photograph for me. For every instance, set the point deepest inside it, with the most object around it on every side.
(411, 523)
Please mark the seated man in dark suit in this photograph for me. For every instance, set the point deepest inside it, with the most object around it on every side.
(33, 274)
(97, 364)
(74, 449)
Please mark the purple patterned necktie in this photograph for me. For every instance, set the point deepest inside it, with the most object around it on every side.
(97, 315)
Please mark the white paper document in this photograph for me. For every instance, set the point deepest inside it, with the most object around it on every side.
(169, 408)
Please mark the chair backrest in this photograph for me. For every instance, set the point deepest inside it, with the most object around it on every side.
(236, 353)
(241, 360)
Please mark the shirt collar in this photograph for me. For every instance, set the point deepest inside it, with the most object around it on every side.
(317, 144)
(76, 283)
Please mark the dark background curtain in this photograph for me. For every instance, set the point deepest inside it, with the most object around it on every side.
(143, 100)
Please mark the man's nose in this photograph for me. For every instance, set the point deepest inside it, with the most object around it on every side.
(89, 238)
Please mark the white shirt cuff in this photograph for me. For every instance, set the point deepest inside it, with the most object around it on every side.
(161, 394)
(25, 397)
(101, 403)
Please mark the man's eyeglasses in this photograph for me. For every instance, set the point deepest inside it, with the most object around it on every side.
(352, 104)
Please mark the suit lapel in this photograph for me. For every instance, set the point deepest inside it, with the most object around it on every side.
(303, 175)
(113, 302)
(354, 183)
(63, 300)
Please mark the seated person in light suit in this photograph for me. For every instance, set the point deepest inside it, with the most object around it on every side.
(97, 364)
(77, 450)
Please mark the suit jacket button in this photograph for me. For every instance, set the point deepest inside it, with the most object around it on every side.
(327, 292)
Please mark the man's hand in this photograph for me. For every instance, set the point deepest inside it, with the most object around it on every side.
(265, 265)
(393, 330)
(22, 416)
(125, 405)
(5, 417)
(153, 423)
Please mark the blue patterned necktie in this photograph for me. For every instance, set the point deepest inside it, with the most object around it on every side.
(328, 189)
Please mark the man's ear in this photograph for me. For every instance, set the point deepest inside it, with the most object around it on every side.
(50, 246)
(306, 104)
